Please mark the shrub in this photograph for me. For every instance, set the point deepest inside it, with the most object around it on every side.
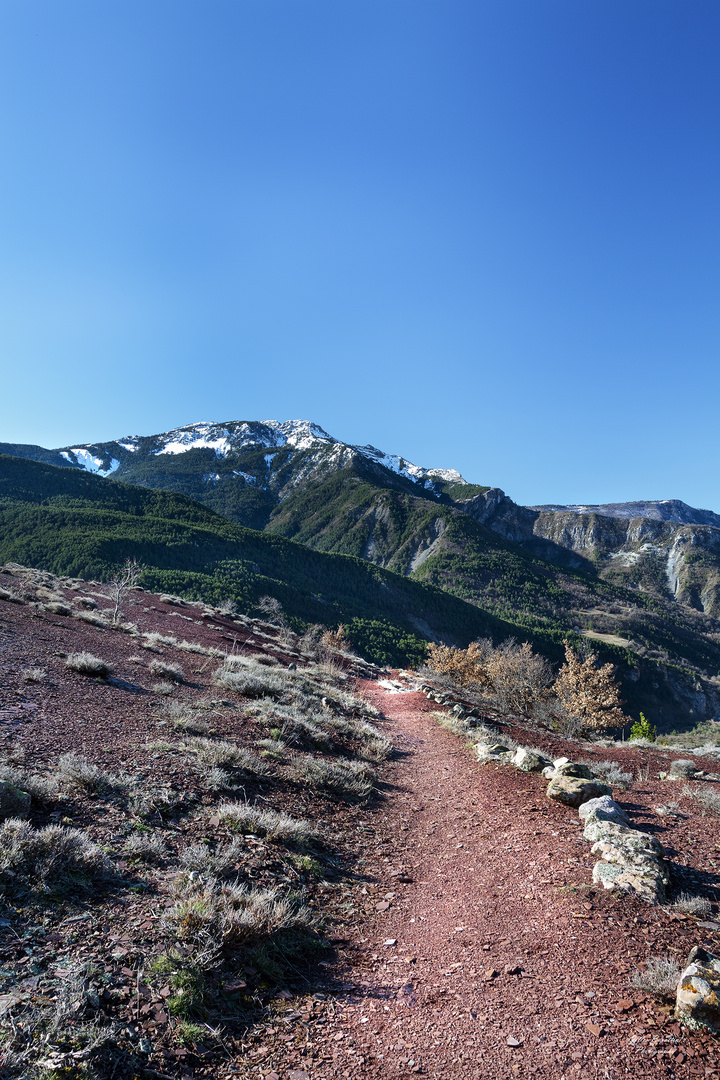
(76, 773)
(642, 729)
(277, 827)
(349, 780)
(659, 977)
(49, 858)
(87, 664)
(466, 667)
(165, 670)
(589, 694)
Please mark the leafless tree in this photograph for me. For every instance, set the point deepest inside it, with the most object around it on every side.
(125, 580)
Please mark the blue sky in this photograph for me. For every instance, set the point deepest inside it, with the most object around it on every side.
(482, 234)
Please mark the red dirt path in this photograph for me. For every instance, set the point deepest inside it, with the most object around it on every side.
(498, 970)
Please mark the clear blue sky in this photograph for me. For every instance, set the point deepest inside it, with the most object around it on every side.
(480, 233)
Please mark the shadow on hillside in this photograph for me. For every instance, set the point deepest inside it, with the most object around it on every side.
(123, 684)
(687, 879)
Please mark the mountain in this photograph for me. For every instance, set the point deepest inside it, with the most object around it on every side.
(72, 523)
(645, 591)
(295, 479)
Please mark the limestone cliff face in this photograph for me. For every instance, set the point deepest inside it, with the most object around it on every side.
(669, 557)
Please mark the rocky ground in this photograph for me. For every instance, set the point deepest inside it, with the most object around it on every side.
(453, 928)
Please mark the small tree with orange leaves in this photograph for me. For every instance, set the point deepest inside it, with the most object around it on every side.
(589, 694)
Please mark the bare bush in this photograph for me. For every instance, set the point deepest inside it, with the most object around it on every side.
(87, 664)
(49, 858)
(659, 977)
(123, 583)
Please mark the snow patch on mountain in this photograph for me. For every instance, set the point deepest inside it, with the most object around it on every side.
(82, 457)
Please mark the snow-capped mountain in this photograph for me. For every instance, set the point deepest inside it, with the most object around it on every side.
(235, 437)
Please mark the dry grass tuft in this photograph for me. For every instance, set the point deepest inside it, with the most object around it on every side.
(209, 918)
(693, 905)
(708, 799)
(163, 670)
(683, 769)
(34, 674)
(149, 849)
(659, 977)
(277, 827)
(612, 773)
(50, 858)
(76, 773)
(221, 754)
(87, 664)
(350, 780)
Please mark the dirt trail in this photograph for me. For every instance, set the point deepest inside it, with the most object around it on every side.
(488, 962)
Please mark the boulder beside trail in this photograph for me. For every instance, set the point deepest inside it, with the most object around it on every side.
(631, 861)
(644, 879)
(572, 768)
(529, 760)
(603, 809)
(493, 752)
(697, 1002)
(574, 791)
